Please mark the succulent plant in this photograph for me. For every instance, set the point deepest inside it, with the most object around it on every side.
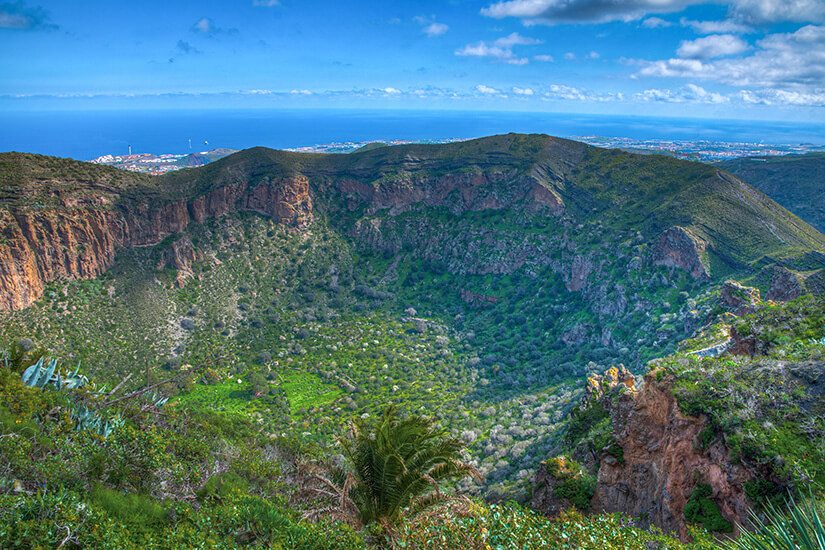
(42, 374)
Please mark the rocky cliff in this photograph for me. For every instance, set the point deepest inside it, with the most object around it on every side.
(663, 461)
(515, 202)
(652, 460)
(76, 236)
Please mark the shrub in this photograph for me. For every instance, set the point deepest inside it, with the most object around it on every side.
(701, 509)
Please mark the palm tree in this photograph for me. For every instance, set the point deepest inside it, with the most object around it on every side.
(396, 468)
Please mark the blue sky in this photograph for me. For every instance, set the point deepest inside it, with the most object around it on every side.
(758, 59)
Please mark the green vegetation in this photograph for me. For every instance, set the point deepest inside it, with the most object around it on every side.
(802, 527)
(396, 467)
(478, 308)
(575, 484)
(764, 408)
(701, 509)
(794, 181)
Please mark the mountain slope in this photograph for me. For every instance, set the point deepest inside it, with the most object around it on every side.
(477, 280)
(794, 181)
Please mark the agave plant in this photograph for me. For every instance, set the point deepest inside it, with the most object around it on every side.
(89, 419)
(41, 375)
(801, 528)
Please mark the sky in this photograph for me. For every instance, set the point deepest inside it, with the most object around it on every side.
(751, 59)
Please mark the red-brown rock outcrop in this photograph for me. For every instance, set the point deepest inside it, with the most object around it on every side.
(78, 238)
(678, 247)
(662, 462)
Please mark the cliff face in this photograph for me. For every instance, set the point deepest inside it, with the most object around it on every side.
(663, 462)
(78, 239)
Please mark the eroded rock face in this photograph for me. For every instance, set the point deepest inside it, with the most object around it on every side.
(785, 285)
(458, 192)
(80, 240)
(740, 299)
(678, 247)
(663, 461)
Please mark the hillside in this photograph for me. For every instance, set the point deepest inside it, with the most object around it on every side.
(794, 181)
(704, 438)
(480, 281)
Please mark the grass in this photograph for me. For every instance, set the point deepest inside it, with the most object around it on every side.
(305, 391)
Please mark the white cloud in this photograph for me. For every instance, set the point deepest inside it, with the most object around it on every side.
(300, 92)
(430, 26)
(522, 91)
(727, 26)
(500, 49)
(266, 3)
(544, 57)
(771, 96)
(655, 23)
(708, 47)
(207, 26)
(481, 88)
(391, 91)
(772, 11)
(570, 56)
(204, 25)
(552, 12)
(435, 29)
(580, 11)
(782, 61)
(690, 93)
(563, 92)
(593, 55)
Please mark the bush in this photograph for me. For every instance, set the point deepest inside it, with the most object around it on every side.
(701, 509)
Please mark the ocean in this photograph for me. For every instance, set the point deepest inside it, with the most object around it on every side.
(85, 135)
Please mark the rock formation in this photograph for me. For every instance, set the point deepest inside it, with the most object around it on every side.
(678, 247)
(78, 240)
(663, 462)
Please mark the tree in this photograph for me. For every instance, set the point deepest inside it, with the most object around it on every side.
(396, 467)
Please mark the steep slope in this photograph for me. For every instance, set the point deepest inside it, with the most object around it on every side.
(794, 181)
(684, 205)
(705, 438)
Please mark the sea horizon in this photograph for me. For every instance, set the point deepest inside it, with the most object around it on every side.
(88, 134)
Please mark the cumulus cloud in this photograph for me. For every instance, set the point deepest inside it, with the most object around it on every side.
(435, 29)
(570, 56)
(19, 16)
(430, 26)
(206, 25)
(391, 91)
(708, 47)
(771, 96)
(583, 11)
(556, 92)
(690, 93)
(772, 11)
(500, 49)
(522, 91)
(481, 88)
(544, 57)
(781, 61)
(726, 26)
(655, 23)
(553, 12)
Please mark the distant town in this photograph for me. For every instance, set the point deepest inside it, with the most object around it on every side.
(691, 150)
